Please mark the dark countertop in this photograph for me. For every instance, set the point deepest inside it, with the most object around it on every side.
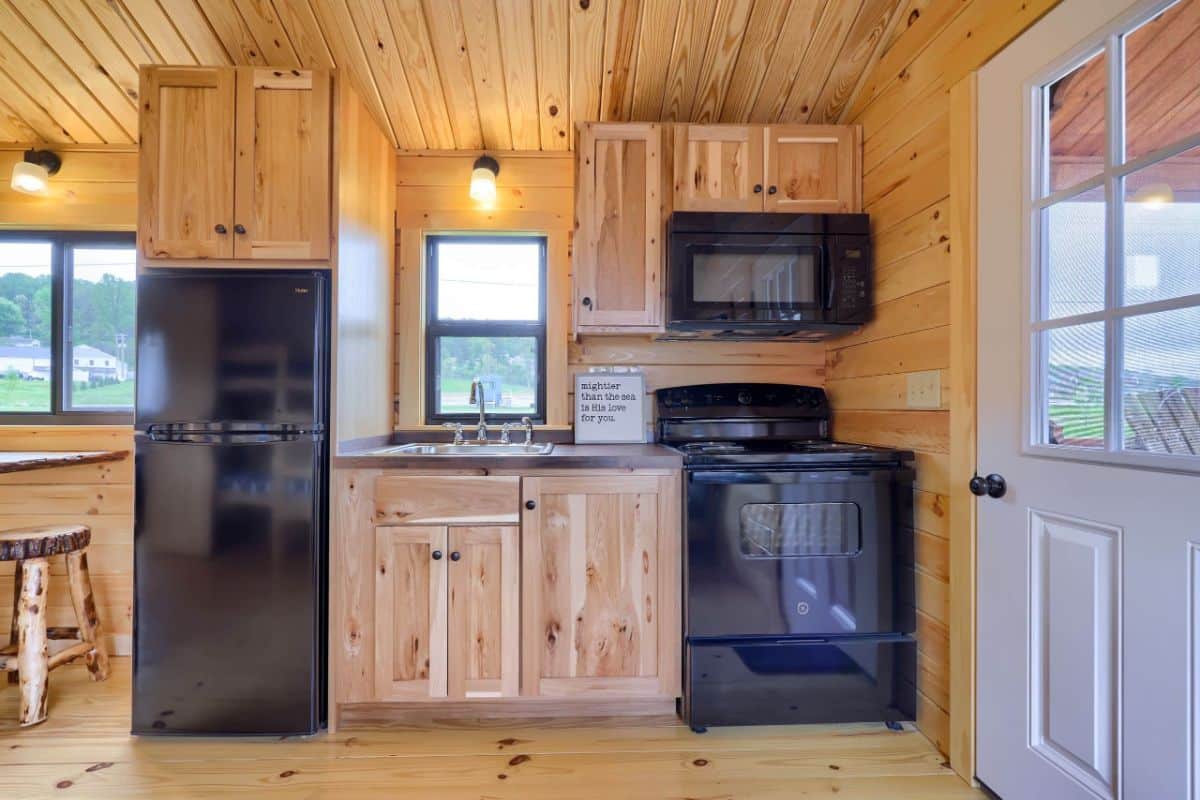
(563, 456)
(20, 461)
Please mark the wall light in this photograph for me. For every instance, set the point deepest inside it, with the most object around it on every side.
(483, 180)
(32, 175)
(1154, 195)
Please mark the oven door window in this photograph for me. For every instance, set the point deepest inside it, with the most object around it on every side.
(799, 530)
(760, 277)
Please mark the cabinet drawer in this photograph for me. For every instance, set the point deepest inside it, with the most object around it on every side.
(446, 500)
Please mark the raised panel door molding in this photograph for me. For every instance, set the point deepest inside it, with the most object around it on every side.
(718, 168)
(411, 619)
(1074, 646)
(186, 162)
(618, 247)
(485, 605)
(283, 164)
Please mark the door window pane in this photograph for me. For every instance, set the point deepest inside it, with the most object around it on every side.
(1074, 235)
(1074, 385)
(25, 326)
(1162, 80)
(488, 280)
(1075, 125)
(1162, 230)
(507, 365)
(102, 296)
(1161, 382)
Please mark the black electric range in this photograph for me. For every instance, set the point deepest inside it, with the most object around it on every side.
(798, 589)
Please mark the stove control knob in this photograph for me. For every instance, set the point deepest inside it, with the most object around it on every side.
(745, 398)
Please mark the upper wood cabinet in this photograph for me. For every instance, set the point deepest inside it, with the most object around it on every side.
(600, 598)
(774, 168)
(813, 168)
(617, 257)
(718, 167)
(185, 174)
(235, 163)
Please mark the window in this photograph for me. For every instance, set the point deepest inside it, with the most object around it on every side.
(67, 313)
(1115, 221)
(486, 319)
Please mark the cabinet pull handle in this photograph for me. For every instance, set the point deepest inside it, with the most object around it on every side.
(758, 188)
(772, 189)
(239, 228)
(437, 555)
(455, 556)
(587, 302)
(219, 228)
(530, 505)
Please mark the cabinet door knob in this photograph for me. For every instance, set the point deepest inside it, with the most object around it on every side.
(530, 505)
(219, 228)
(239, 228)
(437, 555)
(758, 188)
(455, 556)
(772, 189)
(587, 302)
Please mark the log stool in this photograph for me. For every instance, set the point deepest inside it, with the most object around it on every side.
(26, 657)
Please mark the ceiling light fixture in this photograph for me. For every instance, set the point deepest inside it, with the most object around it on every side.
(483, 180)
(32, 174)
(1154, 195)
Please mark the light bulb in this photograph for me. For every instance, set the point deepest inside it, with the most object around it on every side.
(483, 186)
(29, 178)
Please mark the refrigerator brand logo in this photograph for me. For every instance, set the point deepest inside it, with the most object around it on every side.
(300, 290)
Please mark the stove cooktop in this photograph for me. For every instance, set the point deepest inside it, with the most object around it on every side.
(776, 452)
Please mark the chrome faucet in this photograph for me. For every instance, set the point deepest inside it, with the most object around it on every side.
(479, 396)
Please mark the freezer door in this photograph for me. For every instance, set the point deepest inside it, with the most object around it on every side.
(245, 347)
(228, 561)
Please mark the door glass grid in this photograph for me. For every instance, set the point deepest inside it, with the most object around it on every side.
(1116, 241)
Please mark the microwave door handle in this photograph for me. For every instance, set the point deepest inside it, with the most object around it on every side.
(830, 276)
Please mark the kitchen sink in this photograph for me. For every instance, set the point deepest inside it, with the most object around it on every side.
(469, 449)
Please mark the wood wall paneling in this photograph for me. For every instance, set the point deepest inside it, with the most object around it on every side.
(505, 74)
(917, 186)
(96, 189)
(97, 495)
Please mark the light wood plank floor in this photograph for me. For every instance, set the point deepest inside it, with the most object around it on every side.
(84, 750)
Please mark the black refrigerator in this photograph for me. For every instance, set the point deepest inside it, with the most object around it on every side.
(230, 530)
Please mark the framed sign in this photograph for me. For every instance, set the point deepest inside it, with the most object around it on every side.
(610, 407)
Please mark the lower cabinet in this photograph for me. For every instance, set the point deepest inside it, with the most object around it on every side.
(447, 605)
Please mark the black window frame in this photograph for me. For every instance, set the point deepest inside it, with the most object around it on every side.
(62, 244)
(436, 329)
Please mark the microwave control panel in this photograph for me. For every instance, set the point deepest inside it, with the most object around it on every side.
(852, 268)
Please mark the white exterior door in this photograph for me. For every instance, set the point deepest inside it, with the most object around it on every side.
(1089, 405)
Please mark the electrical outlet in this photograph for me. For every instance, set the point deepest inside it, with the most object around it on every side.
(925, 389)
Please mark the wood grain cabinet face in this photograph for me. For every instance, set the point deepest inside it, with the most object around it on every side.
(411, 621)
(485, 600)
(813, 168)
(283, 164)
(186, 166)
(718, 168)
(599, 601)
(617, 258)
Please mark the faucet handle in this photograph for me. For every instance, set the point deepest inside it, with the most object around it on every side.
(504, 429)
(527, 423)
(457, 427)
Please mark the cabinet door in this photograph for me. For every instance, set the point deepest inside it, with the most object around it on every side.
(814, 168)
(185, 168)
(718, 168)
(600, 586)
(619, 218)
(283, 164)
(485, 585)
(410, 613)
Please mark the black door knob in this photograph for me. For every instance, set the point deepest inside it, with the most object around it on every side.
(587, 302)
(993, 486)
(239, 228)
(758, 188)
(455, 556)
(530, 505)
(219, 228)
(772, 189)
(437, 555)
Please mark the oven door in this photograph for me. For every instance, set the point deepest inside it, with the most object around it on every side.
(798, 552)
(763, 278)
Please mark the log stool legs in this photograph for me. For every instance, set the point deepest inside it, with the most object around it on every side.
(26, 657)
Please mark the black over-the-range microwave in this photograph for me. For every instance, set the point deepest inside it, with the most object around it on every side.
(788, 276)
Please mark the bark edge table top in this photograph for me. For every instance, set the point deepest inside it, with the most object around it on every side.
(22, 460)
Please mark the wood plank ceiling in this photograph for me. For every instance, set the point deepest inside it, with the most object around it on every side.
(455, 74)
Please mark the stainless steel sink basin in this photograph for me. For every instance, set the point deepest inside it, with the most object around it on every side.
(469, 449)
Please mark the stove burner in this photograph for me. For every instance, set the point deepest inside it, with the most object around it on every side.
(829, 447)
(713, 448)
